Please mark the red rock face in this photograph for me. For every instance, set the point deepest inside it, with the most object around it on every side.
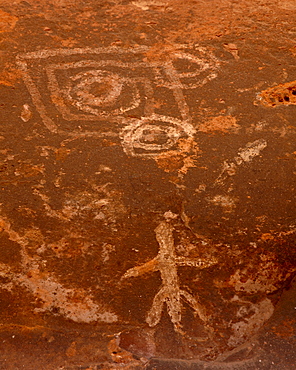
(147, 185)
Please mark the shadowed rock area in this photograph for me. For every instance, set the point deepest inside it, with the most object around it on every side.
(147, 172)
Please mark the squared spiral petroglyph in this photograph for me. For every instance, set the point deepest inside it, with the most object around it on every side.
(117, 91)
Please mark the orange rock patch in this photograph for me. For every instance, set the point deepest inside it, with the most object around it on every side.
(7, 21)
(224, 124)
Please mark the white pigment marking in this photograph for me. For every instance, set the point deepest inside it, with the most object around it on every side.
(170, 293)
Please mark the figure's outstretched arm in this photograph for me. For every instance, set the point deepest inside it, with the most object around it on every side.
(195, 262)
(149, 266)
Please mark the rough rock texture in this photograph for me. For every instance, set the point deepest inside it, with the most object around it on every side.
(147, 160)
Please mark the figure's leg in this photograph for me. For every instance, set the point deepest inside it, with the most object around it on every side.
(173, 302)
(199, 310)
(195, 305)
(154, 315)
(174, 306)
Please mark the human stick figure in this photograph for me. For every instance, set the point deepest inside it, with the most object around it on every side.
(167, 263)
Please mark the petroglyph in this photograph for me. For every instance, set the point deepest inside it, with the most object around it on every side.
(167, 263)
(147, 4)
(26, 113)
(106, 88)
(107, 250)
(102, 203)
(202, 68)
(74, 304)
(245, 155)
(232, 49)
(266, 278)
(97, 91)
(225, 201)
(260, 313)
(250, 151)
(149, 136)
(287, 4)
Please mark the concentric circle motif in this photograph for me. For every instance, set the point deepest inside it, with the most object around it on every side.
(98, 92)
(149, 136)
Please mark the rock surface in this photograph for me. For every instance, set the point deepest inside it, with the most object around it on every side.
(147, 159)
